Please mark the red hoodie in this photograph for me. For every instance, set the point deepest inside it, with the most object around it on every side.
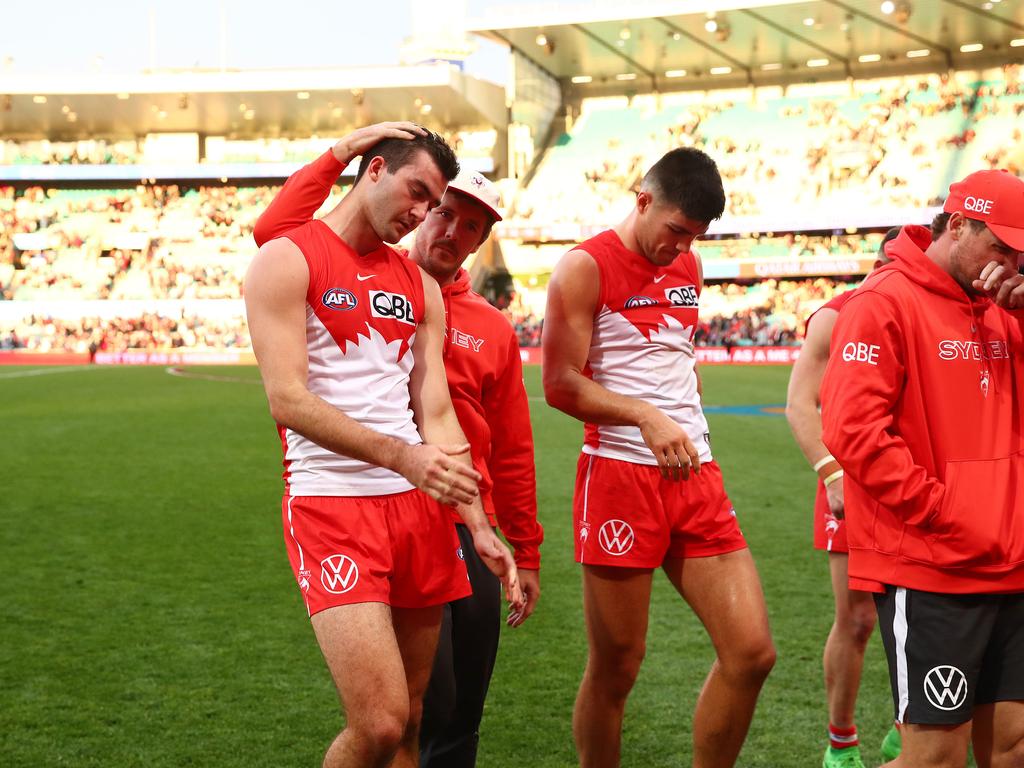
(922, 405)
(483, 367)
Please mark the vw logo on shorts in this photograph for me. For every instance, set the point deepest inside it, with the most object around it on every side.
(338, 574)
(616, 537)
(945, 687)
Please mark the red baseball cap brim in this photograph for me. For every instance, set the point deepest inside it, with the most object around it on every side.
(1011, 236)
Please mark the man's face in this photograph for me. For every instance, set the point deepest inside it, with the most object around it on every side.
(451, 232)
(400, 201)
(664, 231)
(974, 247)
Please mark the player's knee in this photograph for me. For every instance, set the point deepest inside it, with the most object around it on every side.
(1009, 758)
(615, 667)
(752, 663)
(861, 624)
(378, 736)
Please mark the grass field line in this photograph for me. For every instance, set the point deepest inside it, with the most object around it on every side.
(177, 371)
(46, 371)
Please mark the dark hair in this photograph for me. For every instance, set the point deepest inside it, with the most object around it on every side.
(688, 179)
(399, 152)
(939, 225)
(941, 221)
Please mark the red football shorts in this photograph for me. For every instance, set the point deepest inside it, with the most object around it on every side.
(829, 531)
(400, 549)
(628, 515)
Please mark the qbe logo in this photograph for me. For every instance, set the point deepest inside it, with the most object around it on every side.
(391, 306)
(977, 204)
(682, 296)
(338, 574)
(859, 352)
(340, 299)
(616, 537)
(640, 301)
(945, 687)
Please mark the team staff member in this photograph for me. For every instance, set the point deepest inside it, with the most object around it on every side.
(854, 621)
(618, 355)
(349, 336)
(484, 372)
(922, 407)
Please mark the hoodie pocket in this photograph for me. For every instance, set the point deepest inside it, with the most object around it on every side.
(980, 522)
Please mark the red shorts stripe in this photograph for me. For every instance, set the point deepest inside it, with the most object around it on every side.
(628, 515)
(400, 549)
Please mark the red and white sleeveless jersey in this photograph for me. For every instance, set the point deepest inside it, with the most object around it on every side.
(361, 319)
(642, 345)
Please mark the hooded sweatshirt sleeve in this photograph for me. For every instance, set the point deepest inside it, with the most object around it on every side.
(859, 393)
(511, 464)
(299, 198)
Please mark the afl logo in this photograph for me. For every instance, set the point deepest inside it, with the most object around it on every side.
(640, 301)
(339, 298)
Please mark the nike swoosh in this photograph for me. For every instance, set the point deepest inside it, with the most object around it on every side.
(360, 278)
(659, 278)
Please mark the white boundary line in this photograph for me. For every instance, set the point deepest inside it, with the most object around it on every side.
(46, 371)
(174, 370)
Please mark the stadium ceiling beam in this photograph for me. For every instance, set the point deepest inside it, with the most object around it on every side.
(708, 46)
(608, 46)
(897, 29)
(516, 49)
(988, 15)
(806, 41)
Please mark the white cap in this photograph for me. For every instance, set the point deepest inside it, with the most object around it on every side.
(476, 186)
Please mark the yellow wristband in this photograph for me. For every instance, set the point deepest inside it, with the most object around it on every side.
(833, 477)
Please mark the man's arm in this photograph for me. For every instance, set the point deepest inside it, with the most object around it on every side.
(862, 384)
(507, 410)
(435, 417)
(306, 189)
(275, 304)
(568, 328)
(803, 400)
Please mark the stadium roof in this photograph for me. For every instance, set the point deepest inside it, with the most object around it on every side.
(689, 44)
(244, 104)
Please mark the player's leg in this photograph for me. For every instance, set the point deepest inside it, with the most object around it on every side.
(358, 643)
(475, 628)
(843, 658)
(615, 605)
(416, 632)
(725, 593)
(933, 746)
(439, 700)
(999, 713)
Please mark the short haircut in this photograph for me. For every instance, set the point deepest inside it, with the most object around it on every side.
(688, 179)
(399, 152)
(939, 225)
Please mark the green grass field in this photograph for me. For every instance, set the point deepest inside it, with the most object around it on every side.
(150, 617)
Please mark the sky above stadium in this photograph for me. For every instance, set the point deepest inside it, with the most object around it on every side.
(131, 35)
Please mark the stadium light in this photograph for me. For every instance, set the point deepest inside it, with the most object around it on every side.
(721, 70)
(39, 99)
(1017, 43)
(888, 7)
(771, 66)
(817, 62)
(675, 73)
(625, 34)
(711, 25)
(65, 109)
(302, 95)
(123, 96)
(971, 47)
(541, 39)
(809, 21)
(582, 79)
(867, 58)
(919, 53)
(626, 76)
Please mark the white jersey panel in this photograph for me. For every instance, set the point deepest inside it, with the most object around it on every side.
(368, 380)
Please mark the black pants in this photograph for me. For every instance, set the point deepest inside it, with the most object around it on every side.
(454, 702)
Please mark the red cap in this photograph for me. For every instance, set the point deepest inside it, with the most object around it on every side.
(995, 197)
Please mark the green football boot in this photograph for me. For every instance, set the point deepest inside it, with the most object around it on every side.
(847, 757)
(891, 745)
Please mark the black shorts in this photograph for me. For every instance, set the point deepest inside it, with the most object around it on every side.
(949, 653)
